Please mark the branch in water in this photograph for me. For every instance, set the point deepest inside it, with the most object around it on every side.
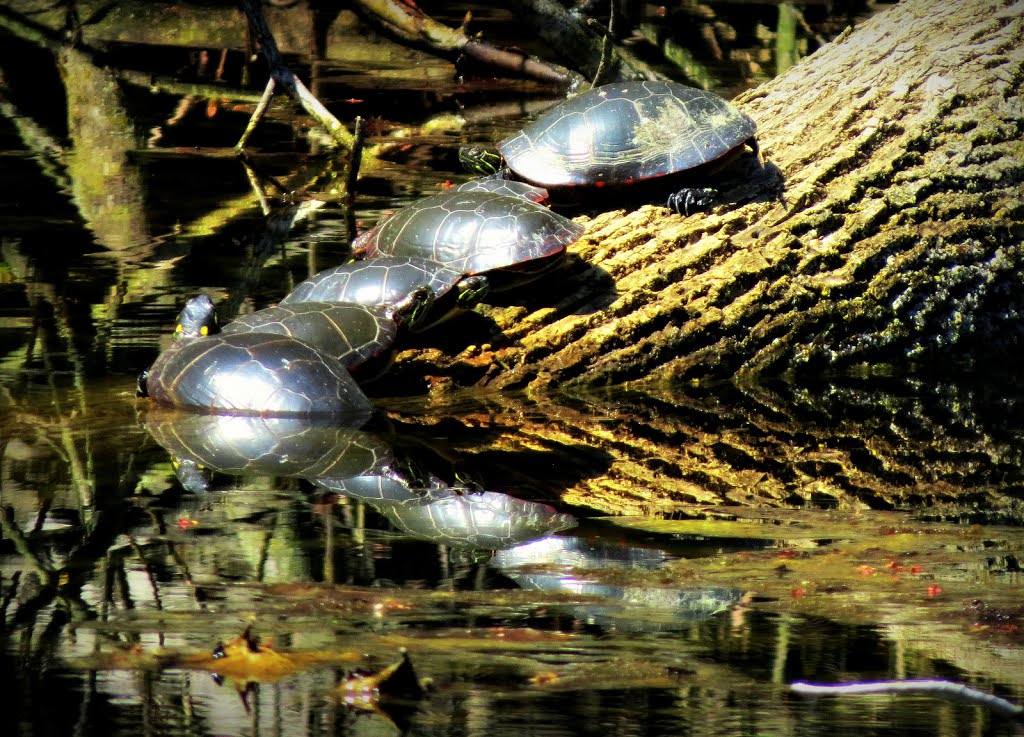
(408, 22)
(948, 689)
(283, 76)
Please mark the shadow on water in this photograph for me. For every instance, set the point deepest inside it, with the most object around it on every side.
(648, 560)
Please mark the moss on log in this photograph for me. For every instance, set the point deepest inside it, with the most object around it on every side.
(885, 231)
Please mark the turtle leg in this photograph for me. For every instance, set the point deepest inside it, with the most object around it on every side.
(692, 199)
(472, 289)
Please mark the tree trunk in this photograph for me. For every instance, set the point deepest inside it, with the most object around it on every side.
(885, 233)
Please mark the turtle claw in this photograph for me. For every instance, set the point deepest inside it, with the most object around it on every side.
(692, 199)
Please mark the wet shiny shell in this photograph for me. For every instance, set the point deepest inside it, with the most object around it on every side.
(505, 186)
(276, 446)
(472, 232)
(383, 281)
(351, 333)
(257, 373)
(626, 132)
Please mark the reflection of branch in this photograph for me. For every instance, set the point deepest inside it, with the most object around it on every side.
(13, 533)
(185, 89)
(279, 225)
(9, 596)
(48, 151)
(282, 75)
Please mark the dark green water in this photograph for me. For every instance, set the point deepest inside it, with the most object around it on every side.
(120, 197)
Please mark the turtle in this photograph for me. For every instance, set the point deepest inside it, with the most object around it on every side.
(389, 280)
(298, 447)
(460, 515)
(248, 373)
(620, 134)
(505, 237)
(355, 334)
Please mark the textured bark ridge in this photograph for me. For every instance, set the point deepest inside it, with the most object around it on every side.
(885, 230)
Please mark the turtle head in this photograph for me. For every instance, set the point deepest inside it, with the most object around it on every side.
(413, 310)
(480, 160)
(197, 319)
(192, 475)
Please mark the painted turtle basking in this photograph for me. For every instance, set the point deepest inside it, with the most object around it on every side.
(475, 233)
(352, 333)
(389, 281)
(248, 373)
(623, 133)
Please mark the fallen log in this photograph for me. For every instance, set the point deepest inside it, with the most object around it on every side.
(885, 235)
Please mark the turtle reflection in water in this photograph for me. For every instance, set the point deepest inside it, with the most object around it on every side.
(274, 446)
(453, 515)
(577, 565)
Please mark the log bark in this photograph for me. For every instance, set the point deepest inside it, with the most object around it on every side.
(885, 234)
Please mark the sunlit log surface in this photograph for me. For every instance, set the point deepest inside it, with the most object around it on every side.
(886, 231)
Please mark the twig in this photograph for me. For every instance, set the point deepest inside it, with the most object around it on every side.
(606, 46)
(281, 75)
(405, 20)
(257, 114)
(354, 160)
(948, 689)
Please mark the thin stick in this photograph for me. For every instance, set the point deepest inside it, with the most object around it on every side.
(606, 46)
(355, 159)
(284, 77)
(257, 114)
(948, 689)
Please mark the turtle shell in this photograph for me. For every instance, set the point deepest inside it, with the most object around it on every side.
(504, 186)
(352, 333)
(383, 281)
(626, 132)
(248, 373)
(471, 232)
(256, 373)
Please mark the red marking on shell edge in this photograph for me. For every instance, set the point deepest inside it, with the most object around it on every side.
(599, 183)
